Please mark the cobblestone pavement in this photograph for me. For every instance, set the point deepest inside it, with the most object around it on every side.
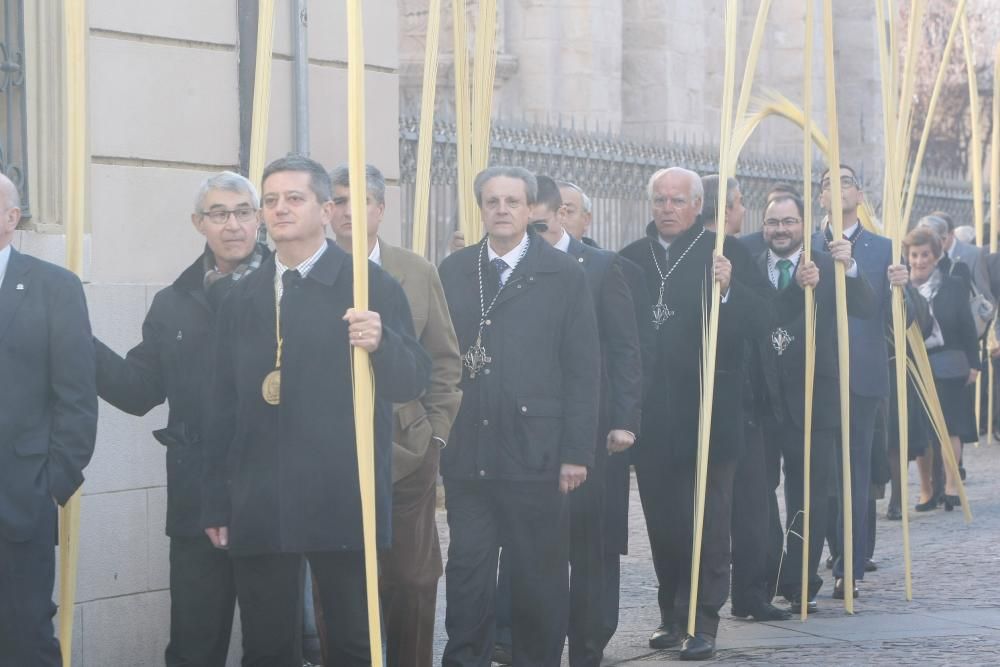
(954, 617)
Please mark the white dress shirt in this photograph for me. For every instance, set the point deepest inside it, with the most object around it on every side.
(376, 254)
(512, 257)
(303, 269)
(772, 264)
(563, 243)
(4, 260)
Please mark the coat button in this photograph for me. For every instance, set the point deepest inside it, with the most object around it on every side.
(482, 473)
(580, 259)
(524, 408)
(486, 371)
(486, 422)
(519, 286)
(488, 322)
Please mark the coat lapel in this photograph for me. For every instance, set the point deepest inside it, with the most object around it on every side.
(16, 286)
(390, 261)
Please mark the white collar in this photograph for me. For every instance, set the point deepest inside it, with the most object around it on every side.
(663, 242)
(512, 257)
(376, 254)
(773, 259)
(563, 243)
(4, 261)
(304, 268)
(849, 231)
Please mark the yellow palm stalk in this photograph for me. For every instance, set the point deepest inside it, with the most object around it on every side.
(710, 340)
(261, 91)
(977, 163)
(994, 213)
(810, 307)
(843, 349)
(75, 34)
(484, 77)
(364, 383)
(468, 220)
(425, 143)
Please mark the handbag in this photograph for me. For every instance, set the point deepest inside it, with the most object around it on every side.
(949, 364)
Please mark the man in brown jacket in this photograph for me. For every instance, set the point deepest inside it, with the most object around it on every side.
(409, 572)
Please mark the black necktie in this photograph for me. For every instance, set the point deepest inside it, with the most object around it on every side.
(290, 279)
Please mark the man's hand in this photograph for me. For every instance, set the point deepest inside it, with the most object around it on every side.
(840, 250)
(807, 274)
(973, 374)
(571, 476)
(365, 330)
(723, 271)
(619, 440)
(899, 275)
(457, 241)
(219, 536)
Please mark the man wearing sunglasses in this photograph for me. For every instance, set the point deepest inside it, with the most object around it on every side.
(172, 363)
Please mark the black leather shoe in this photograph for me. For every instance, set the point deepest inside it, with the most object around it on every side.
(699, 647)
(894, 513)
(870, 565)
(928, 506)
(951, 502)
(668, 635)
(502, 655)
(762, 611)
(838, 589)
(795, 606)
(961, 472)
(829, 562)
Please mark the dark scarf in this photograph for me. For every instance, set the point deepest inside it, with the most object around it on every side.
(214, 284)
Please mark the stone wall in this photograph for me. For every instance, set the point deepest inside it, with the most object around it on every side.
(163, 114)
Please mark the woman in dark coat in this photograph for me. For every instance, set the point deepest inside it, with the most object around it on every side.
(953, 350)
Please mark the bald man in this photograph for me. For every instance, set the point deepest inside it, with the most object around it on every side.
(48, 424)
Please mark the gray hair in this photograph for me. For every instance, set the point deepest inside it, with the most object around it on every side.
(520, 173)
(10, 192)
(937, 225)
(341, 176)
(228, 181)
(965, 234)
(697, 189)
(588, 205)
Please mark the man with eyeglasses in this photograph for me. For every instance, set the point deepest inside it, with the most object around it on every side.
(677, 259)
(869, 355)
(280, 481)
(782, 348)
(172, 363)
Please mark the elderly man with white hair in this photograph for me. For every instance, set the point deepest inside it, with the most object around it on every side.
(677, 259)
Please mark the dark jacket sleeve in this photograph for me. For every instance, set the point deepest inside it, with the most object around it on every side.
(643, 305)
(134, 384)
(401, 366)
(918, 310)
(624, 359)
(969, 337)
(220, 423)
(860, 297)
(580, 348)
(73, 390)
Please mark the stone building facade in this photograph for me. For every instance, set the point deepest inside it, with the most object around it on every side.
(654, 68)
(163, 114)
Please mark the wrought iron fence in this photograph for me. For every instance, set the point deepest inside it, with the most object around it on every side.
(614, 172)
(13, 102)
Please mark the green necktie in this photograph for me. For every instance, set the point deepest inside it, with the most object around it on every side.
(784, 273)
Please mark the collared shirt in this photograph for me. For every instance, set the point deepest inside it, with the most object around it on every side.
(303, 269)
(663, 242)
(849, 231)
(376, 254)
(563, 243)
(4, 260)
(772, 264)
(512, 257)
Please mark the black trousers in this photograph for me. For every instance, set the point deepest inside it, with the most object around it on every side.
(27, 576)
(666, 489)
(789, 439)
(751, 522)
(269, 588)
(586, 559)
(862, 436)
(530, 521)
(202, 599)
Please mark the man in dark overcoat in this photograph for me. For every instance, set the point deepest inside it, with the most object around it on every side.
(525, 433)
(677, 256)
(782, 346)
(173, 363)
(48, 424)
(281, 471)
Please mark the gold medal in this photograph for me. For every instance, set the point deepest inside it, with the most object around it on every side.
(271, 387)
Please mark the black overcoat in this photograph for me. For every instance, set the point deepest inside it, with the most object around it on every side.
(172, 363)
(536, 407)
(671, 407)
(285, 478)
(48, 398)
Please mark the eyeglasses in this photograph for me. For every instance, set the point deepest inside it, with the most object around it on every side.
(774, 223)
(676, 202)
(845, 182)
(220, 216)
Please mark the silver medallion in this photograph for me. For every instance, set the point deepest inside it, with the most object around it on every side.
(661, 313)
(780, 340)
(476, 358)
